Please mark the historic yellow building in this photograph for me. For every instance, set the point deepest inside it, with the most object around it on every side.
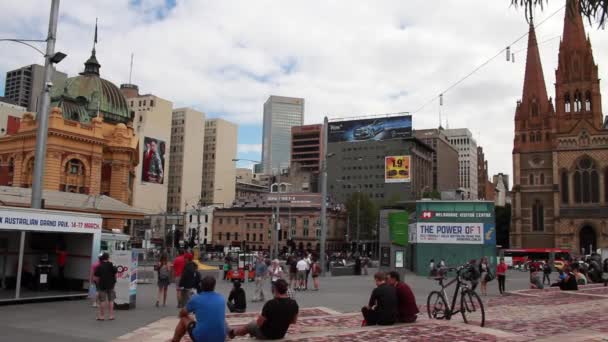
(92, 148)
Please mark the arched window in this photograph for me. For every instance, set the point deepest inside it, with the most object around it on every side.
(588, 106)
(586, 182)
(74, 167)
(542, 178)
(532, 137)
(538, 216)
(538, 137)
(565, 190)
(567, 104)
(531, 179)
(578, 101)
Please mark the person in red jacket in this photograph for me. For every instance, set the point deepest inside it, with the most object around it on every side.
(501, 273)
(178, 267)
(408, 310)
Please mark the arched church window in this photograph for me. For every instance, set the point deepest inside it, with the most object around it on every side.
(588, 101)
(567, 104)
(538, 216)
(578, 102)
(586, 182)
(564, 189)
(538, 137)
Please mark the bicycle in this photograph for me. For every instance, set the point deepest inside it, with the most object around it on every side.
(471, 306)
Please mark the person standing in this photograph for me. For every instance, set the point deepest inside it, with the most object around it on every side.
(237, 301)
(484, 268)
(605, 272)
(382, 306)
(316, 271)
(261, 273)
(365, 265)
(547, 273)
(407, 308)
(293, 271)
(164, 278)
(276, 273)
(62, 256)
(93, 281)
(501, 273)
(308, 264)
(189, 281)
(441, 263)
(178, 267)
(106, 275)
(301, 266)
(432, 269)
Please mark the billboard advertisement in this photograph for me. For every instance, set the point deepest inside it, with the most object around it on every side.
(398, 227)
(458, 233)
(153, 161)
(370, 129)
(396, 169)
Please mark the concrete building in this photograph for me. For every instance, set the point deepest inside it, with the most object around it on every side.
(250, 227)
(23, 86)
(199, 221)
(152, 118)
(186, 161)
(360, 166)
(445, 159)
(10, 116)
(280, 115)
(462, 139)
(219, 171)
(560, 149)
(247, 193)
(306, 148)
(244, 175)
(501, 186)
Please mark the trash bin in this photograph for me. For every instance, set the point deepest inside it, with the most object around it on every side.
(43, 272)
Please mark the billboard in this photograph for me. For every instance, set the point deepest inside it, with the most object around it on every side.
(398, 223)
(153, 161)
(396, 169)
(370, 129)
(459, 233)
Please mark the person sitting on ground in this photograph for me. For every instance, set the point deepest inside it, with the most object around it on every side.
(569, 283)
(580, 277)
(189, 281)
(208, 308)
(535, 279)
(236, 300)
(605, 272)
(406, 307)
(277, 315)
(382, 306)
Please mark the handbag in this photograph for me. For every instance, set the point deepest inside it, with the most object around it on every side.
(489, 276)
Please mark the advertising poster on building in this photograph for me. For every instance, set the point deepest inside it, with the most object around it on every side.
(153, 161)
(398, 227)
(382, 128)
(396, 169)
(446, 233)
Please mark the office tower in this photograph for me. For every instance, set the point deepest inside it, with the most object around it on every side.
(219, 170)
(445, 159)
(306, 147)
(280, 114)
(462, 139)
(24, 85)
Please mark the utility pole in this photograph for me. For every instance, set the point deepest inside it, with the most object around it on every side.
(323, 196)
(358, 218)
(43, 112)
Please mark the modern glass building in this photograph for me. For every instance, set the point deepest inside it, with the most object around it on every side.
(280, 114)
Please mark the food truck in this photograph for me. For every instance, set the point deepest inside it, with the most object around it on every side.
(46, 254)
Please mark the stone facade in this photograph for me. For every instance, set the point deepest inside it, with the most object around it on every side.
(560, 154)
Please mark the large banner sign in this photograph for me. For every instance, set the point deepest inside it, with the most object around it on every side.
(153, 161)
(370, 129)
(398, 225)
(458, 233)
(396, 169)
(47, 221)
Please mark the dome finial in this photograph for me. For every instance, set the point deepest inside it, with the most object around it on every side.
(91, 66)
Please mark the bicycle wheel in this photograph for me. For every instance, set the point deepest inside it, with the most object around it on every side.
(437, 306)
(472, 309)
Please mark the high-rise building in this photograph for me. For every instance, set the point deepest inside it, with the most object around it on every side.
(24, 85)
(280, 115)
(10, 116)
(483, 182)
(500, 182)
(219, 171)
(560, 150)
(186, 161)
(462, 139)
(306, 147)
(152, 117)
(445, 159)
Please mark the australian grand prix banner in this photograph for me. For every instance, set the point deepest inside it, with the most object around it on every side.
(397, 169)
(381, 128)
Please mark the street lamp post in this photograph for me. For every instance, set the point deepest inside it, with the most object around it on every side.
(323, 196)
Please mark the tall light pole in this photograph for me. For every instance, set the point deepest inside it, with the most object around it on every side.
(323, 195)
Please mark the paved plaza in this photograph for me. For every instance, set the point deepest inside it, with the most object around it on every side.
(333, 314)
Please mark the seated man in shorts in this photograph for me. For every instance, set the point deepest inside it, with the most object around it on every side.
(277, 315)
(208, 307)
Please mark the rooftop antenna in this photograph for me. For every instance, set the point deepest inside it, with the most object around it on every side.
(440, 105)
(131, 68)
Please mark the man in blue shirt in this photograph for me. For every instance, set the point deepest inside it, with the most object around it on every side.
(261, 273)
(208, 307)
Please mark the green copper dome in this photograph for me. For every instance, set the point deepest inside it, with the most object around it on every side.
(82, 97)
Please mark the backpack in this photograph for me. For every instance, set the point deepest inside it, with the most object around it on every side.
(163, 273)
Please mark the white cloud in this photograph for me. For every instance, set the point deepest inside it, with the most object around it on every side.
(346, 57)
(249, 148)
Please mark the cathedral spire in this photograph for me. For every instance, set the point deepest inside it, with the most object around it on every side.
(534, 98)
(574, 30)
(91, 66)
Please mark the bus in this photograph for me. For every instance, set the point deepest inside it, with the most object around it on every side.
(521, 256)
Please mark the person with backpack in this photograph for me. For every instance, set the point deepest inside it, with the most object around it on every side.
(547, 273)
(164, 278)
(189, 281)
(106, 280)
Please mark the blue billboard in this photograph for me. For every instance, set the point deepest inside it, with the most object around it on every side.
(394, 127)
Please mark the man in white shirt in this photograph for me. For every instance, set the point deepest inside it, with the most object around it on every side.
(308, 266)
(301, 266)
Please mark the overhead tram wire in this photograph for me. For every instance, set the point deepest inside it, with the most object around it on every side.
(484, 63)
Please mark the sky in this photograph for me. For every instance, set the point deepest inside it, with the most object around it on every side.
(346, 58)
